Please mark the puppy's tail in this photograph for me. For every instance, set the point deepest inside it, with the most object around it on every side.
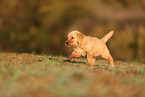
(107, 36)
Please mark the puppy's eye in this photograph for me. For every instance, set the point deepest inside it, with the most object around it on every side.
(72, 37)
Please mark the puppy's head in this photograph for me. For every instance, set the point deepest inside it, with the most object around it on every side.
(74, 39)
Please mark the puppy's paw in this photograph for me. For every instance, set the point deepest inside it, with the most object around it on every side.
(112, 66)
(92, 67)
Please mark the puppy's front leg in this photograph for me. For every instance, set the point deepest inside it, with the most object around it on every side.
(91, 60)
(74, 54)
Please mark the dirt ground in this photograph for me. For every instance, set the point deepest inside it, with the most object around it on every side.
(29, 75)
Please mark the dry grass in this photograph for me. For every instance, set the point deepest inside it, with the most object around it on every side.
(27, 75)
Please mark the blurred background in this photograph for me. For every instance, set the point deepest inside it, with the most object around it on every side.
(41, 26)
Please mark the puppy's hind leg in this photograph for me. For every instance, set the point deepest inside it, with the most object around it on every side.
(106, 55)
(110, 59)
(74, 54)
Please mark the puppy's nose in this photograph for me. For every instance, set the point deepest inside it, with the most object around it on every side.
(66, 43)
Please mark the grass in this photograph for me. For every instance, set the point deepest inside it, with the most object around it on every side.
(28, 75)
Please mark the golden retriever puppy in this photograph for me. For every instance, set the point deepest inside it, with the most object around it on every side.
(90, 46)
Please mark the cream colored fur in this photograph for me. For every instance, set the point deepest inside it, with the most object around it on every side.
(90, 46)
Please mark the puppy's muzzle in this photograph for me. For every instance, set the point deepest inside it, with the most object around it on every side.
(66, 43)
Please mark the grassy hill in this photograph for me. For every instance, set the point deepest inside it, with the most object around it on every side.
(28, 75)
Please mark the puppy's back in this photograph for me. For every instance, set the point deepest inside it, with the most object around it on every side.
(97, 45)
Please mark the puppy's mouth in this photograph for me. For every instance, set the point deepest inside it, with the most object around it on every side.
(67, 45)
(70, 45)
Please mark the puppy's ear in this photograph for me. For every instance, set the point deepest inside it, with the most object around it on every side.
(80, 37)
